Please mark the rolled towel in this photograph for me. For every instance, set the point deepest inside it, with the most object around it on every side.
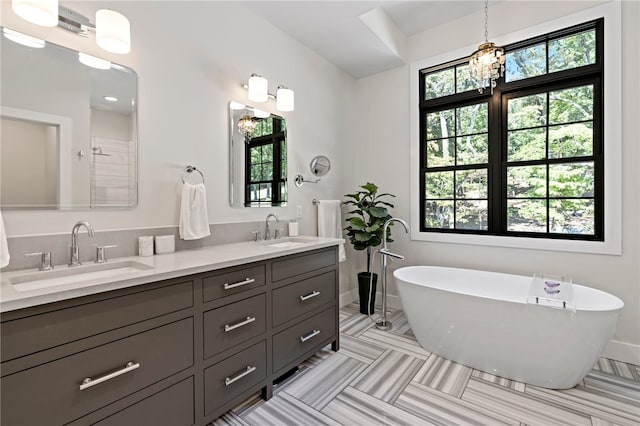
(330, 223)
(4, 248)
(194, 220)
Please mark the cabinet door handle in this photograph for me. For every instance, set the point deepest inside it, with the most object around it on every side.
(88, 382)
(249, 320)
(311, 335)
(246, 281)
(309, 296)
(250, 369)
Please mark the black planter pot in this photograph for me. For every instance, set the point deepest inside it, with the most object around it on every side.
(364, 279)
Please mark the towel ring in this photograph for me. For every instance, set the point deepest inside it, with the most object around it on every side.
(190, 169)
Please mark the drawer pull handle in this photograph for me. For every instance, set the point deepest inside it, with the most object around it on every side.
(309, 296)
(249, 320)
(250, 369)
(88, 382)
(246, 281)
(311, 335)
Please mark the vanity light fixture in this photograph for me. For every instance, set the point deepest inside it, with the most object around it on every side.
(93, 62)
(39, 12)
(284, 99)
(486, 65)
(258, 113)
(258, 88)
(236, 105)
(23, 39)
(112, 28)
(110, 98)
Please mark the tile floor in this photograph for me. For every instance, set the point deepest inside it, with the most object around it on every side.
(386, 378)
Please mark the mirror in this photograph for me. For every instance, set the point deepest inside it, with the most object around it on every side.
(320, 165)
(257, 157)
(68, 132)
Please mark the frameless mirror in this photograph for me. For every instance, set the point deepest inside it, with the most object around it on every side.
(257, 157)
(69, 129)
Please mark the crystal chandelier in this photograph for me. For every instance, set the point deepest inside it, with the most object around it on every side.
(486, 64)
(246, 125)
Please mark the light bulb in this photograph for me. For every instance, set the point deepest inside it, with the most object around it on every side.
(39, 12)
(112, 31)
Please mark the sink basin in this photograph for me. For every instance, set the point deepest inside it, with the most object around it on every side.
(289, 242)
(65, 275)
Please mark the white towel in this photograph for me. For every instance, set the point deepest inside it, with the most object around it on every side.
(330, 223)
(194, 220)
(4, 249)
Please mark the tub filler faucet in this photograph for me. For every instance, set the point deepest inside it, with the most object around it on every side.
(383, 324)
(75, 249)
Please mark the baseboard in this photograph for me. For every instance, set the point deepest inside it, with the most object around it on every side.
(623, 351)
(348, 297)
(393, 301)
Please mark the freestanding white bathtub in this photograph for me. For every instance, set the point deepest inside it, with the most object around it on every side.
(482, 320)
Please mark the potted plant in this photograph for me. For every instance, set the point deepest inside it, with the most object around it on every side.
(365, 227)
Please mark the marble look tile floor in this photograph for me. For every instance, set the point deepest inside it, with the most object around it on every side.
(386, 378)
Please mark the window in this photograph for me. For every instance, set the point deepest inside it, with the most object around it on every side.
(266, 164)
(527, 159)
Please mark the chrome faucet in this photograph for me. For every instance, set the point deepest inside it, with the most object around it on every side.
(267, 231)
(75, 250)
(383, 324)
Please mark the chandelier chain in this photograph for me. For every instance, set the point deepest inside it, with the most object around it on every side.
(486, 20)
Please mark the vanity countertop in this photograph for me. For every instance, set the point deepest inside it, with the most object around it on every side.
(160, 267)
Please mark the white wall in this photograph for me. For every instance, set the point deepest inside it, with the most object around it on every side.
(383, 152)
(191, 59)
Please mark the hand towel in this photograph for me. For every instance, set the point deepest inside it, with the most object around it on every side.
(194, 220)
(330, 223)
(4, 248)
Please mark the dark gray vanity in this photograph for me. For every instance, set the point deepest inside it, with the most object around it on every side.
(176, 352)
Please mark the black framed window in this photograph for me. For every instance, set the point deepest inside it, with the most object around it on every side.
(266, 164)
(527, 159)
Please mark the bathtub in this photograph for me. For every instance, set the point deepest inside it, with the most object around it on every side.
(482, 320)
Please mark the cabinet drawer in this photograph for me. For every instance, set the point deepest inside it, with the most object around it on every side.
(295, 299)
(50, 394)
(232, 324)
(295, 341)
(232, 282)
(296, 265)
(170, 407)
(229, 378)
(38, 332)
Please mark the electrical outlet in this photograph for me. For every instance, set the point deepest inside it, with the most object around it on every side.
(298, 211)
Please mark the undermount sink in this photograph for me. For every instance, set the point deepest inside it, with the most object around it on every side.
(289, 242)
(71, 275)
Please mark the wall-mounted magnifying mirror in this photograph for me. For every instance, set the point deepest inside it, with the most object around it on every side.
(257, 157)
(319, 166)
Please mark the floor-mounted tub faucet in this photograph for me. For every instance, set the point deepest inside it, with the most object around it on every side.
(383, 324)
(75, 250)
(267, 231)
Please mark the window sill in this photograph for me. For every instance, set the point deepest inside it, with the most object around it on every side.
(610, 247)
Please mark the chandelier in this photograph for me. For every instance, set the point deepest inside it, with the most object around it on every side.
(246, 125)
(486, 64)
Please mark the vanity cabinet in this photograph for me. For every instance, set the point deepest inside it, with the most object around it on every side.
(176, 352)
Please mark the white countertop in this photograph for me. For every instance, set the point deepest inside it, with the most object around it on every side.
(163, 266)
